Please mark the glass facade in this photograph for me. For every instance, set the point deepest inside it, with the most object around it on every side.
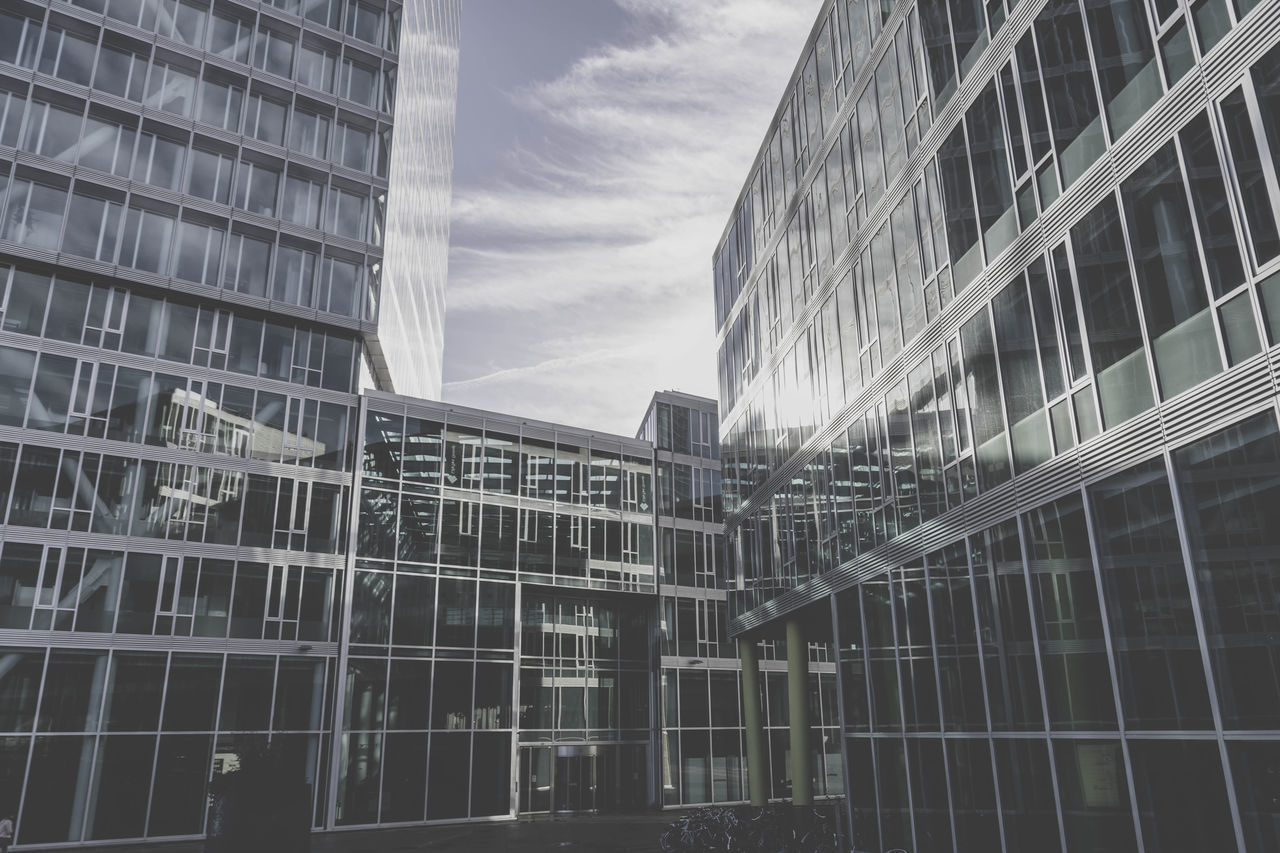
(408, 353)
(501, 608)
(700, 722)
(995, 313)
(195, 204)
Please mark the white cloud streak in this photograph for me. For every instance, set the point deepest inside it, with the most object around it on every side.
(588, 261)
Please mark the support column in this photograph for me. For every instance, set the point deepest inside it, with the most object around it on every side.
(798, 701)
(757, 768)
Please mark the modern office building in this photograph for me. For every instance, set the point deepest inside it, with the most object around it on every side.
(497, 659)
(193, 201)
(998, 310)
(697, 662)
(699, 737)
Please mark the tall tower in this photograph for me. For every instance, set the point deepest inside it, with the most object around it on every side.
(193, 206)
(407, 353)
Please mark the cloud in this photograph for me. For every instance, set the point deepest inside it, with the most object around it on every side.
(580, 273)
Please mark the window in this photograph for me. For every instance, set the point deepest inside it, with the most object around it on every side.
(359, 81)
(18, 39)
(52, 131)
(316, 64)
(294, 276)
(199, 252)
(327, 13)
(273, 52)
(1174, 297)
(179, 20)
(12, 105)
(1250, 174)
(92, 227)
(256, 187)
(33, 214)
(388, 102)
(171, 89)
(301, 202)
(107, 144)
(347, 213)
(247, 262)
(147, 238)
(363, 22)
(309, 133)
(1069, 88)
(158, 161)
(209, 175)
(341, 283)
(1125, 60)
(229, 36)
(353, 146)
(122, 70)
(221, 102)
(265, 119)
(68, 56)
(1111, 314)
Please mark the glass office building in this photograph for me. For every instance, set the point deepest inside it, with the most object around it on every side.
(500, 617)
(697, 663)
(193, 203)
(998, 312)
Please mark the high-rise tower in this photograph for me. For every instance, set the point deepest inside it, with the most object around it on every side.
(193, 204)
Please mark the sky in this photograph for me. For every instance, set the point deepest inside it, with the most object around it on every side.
(599, 149)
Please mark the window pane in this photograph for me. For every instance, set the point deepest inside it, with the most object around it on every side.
(33, 215)
(1069, 89)
(1153, 631)
(1229, 492)
(1111, 314)
(1182, 796)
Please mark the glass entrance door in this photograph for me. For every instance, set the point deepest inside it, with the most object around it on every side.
(575, 781)
(582, 778)
(535, 779)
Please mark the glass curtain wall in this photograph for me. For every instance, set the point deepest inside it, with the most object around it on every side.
(465, 636)
(193, 206)
(1001, 383)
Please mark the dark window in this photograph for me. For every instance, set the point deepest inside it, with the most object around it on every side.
(982, 384)
(1182, 796)
(1064, 587)
(409, 694)
(191, 700)
(1250, 175)
(404, 778)
(1111, 314)
(1153, 632)
(1095, 796)
(1229, 492)
(1176, 305)
(1069, 88)
(1213, 211)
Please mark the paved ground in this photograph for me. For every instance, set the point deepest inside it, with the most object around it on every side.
(576, 834)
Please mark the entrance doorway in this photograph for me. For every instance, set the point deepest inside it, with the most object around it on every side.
(575, 783)
(577, 778)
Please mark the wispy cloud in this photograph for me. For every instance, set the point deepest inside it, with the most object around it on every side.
(580, 275)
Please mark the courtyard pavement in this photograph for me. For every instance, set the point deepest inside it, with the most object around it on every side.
(569, 834)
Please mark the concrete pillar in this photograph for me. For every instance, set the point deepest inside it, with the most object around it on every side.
(798, 701)
(757, 766)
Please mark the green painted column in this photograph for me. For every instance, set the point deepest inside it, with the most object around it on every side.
(798, 702)
(757, 768)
